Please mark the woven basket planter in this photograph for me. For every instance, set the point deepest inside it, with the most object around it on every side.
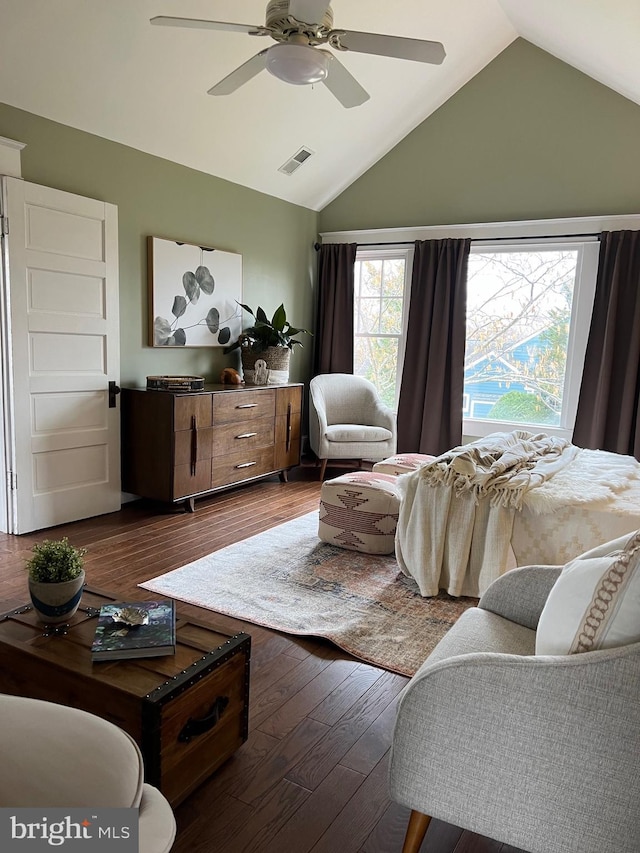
(268, 367)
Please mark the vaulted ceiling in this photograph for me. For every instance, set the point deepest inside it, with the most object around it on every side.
(99, 66)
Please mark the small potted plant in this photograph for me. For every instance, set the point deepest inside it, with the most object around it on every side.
(266, 347)
(56, 578)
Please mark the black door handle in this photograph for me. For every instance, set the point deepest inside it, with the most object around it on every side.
(114, 390)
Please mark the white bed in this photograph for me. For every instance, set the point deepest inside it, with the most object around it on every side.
(459, 542)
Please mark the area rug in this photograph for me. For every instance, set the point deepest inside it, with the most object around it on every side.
(288, 580)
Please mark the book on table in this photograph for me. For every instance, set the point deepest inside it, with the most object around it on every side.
(135, 629)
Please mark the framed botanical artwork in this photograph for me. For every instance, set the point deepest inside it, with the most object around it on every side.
(193, 295)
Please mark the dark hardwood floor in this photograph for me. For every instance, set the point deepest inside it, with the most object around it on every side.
(312, 777)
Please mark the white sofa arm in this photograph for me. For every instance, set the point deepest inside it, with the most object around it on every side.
(317, 425)
(157, 824)
(56, 756)
(53, 755)
(383, 416)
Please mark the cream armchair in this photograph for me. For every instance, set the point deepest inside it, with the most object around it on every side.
(55, 756)
(536, 751)
(348, 420)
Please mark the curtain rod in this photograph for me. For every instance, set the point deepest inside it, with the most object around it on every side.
(318, 246)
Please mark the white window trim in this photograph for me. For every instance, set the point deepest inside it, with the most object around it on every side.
(480, 231)
(526, 231)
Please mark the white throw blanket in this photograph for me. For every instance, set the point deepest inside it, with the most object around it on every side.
(457, 512)
(502, 467)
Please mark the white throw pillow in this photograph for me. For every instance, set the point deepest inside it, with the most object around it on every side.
(595, 603)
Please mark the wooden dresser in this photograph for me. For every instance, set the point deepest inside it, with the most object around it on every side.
(177, 446)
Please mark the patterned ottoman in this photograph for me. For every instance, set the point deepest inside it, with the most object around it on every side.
(402, 463)
(359, 511)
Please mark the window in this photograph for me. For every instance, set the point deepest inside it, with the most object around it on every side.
(379, 318)
(529, 307)
(528, 310)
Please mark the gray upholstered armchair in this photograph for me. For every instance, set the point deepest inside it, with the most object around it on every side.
(348, 420)
(540, 752)
(55, 756)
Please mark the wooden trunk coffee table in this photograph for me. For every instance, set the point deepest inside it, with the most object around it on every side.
(188, 712)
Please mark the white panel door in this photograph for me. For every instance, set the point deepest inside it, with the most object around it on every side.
(61, 271)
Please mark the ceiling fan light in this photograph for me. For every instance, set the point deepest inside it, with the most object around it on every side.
(297, 63)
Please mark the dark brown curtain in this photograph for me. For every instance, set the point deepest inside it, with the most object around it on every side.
(607, 417)
(334, 327)
(430, 405)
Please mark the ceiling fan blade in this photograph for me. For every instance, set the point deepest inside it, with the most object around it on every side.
(343, 85)
(194, 23)
(396, 46)
(241, 75)
(309, 11)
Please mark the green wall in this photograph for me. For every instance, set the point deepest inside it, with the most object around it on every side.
(529, 137)
(159, 198)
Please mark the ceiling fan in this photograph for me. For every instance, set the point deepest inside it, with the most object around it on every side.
(298, 27)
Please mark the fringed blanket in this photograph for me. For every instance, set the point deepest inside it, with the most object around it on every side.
(457, 517)
(502, 467)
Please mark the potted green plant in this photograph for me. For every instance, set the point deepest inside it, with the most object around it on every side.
(56, 578)
(265, 347)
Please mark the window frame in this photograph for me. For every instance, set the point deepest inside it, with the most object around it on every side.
(581, 309)
(521, 231)
(398, 252)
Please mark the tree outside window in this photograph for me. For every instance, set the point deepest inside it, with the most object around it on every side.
(379, 320)
(518, 321)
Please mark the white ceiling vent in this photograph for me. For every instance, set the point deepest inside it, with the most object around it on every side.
(296, 161)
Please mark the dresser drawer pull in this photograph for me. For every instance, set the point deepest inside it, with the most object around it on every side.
(194, 445)
(247, 406)
(247, 435)
(246, 465)
(192, 728)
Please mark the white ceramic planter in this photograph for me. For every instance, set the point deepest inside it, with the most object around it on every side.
(56, 602)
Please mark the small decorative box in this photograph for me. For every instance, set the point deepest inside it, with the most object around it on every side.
(175, 383)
